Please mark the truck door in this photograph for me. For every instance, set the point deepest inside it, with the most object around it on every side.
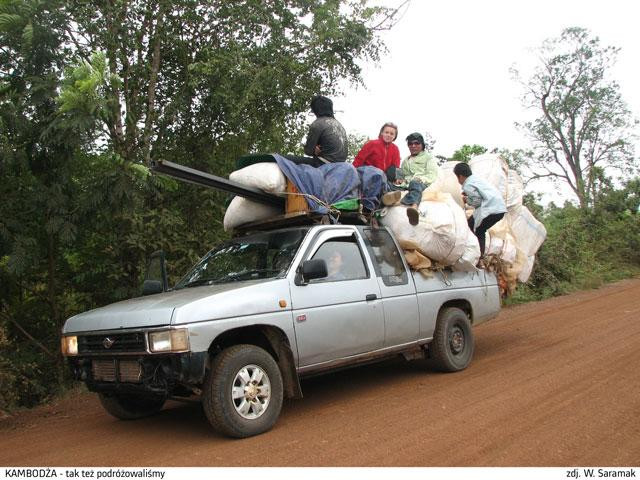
(401, 317)
(339, 315)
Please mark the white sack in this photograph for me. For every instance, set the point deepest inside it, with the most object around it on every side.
(515, 189)
(492, 168)
(266, 176)
(503, 247)
(241, 211)
(471, 254)
(441, 233)
(525, 273)
(528, 232)
(446, 182)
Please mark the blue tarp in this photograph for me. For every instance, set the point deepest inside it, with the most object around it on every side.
(334, 182)
(374, 184)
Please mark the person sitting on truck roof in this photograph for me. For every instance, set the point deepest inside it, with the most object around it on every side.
(488, 204)
(381, 153)
(419, 170)
(327, 139)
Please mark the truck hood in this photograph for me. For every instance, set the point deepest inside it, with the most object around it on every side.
(203, 303)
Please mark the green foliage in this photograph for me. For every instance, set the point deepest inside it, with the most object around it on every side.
(466, 152)
(583, 126)
(85, 96)
(90, 93)
(585, 248)
(356, 142)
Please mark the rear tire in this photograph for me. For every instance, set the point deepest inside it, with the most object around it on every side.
(126, 407)
(243, 391)
(453, 344)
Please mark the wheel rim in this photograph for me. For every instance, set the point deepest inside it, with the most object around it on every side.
(456, 340)
(251, 392)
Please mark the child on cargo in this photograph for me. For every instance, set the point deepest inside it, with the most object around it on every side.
(381, 153)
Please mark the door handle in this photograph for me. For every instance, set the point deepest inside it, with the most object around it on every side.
(370, 297)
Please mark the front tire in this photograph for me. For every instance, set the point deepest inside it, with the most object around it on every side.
(243, 391)
(453, 344)
(127, 407)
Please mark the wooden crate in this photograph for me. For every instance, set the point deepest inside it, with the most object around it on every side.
(295, 203)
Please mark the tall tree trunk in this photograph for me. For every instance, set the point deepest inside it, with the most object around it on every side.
(151, 91)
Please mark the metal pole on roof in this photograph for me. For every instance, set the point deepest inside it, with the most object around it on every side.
(197, 177)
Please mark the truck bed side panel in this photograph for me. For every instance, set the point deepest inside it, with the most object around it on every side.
(479, 289)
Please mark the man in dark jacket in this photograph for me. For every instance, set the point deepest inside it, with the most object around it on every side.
(327, 138)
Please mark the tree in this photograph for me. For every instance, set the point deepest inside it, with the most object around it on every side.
(91, 92)
(212, 79)
(583, 128)
(39, 218)
(429, 142)
(464, 153)
(356, 142)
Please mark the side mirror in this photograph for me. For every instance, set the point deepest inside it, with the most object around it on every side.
(155, 281)
(311, 269)
(150, 287)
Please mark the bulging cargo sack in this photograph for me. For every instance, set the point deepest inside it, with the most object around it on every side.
(470, 256)
(442, 230)
(512, 271)
(241, 211)
(515, 189)
(502, 247)
(493, 169)
(266, 176)
(527, 230)
(500, 242)
(446, 182)
(525, 273)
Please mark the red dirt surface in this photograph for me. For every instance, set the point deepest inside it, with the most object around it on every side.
(553, 383)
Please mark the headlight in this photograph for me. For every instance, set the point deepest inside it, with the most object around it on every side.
(69, 346)
(169, 341)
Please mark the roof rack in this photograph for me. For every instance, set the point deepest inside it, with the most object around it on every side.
(295, 206)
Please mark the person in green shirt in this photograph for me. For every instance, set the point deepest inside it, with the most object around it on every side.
(418, 171)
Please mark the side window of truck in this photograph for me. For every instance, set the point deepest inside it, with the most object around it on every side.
(344, 260)
(387, 259)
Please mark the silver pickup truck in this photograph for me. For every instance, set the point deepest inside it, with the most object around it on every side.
(259, 312)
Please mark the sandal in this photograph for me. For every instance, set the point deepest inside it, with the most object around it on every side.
(414, 215)
(391, 198)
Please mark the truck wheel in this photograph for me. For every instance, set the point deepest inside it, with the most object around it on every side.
(126, 407)
(243, 391)
(452, 346)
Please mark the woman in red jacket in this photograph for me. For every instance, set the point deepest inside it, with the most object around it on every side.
(381, 152)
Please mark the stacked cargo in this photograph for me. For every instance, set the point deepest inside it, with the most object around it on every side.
(519, 230)
(442, 237)
(267, 177)
(442, 233)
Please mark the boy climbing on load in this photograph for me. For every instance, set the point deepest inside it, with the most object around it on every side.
(488, 205)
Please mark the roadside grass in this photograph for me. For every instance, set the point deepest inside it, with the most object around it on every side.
(530, 292)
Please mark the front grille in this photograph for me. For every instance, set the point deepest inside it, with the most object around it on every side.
(130, 371)
(112, 343)
(127, 371)
(104, 370)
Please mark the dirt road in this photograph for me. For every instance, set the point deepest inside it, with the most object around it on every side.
(553, 383)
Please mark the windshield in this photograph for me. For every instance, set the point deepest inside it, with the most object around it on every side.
(263, 255)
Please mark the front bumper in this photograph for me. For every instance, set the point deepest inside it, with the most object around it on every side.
(170, 374)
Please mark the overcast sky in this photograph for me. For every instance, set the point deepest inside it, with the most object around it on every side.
(447, 69)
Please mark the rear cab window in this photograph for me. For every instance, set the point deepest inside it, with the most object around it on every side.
(387, 259)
